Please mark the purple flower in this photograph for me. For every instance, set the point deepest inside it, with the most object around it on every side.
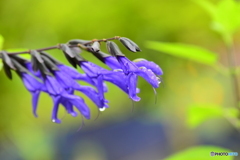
(59, 95)
(112, 62)
(74, 74)
(99, 75)
(69, 84)
(129, 67)
(147, 70)
(55, 88)
(149, 65)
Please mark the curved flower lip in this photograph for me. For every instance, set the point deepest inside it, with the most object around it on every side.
(113, 63)
(132, 85)
(128, 67)
(144, 69)
(149, 65)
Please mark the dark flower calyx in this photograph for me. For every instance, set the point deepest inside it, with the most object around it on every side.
(20, 68)
(66, 50)
(113, 49)
(129, 44)
(76, 59)
(6, 59)
(50, 57)
(100, 55)
(95, 46)
(49, 64)
(38, 63)
(78, 41)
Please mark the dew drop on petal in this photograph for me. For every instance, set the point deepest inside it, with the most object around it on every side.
(102, 109)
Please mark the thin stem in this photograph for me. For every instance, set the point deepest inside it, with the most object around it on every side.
(57, 46)
(234, 78)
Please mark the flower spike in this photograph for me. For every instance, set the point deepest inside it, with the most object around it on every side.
(43, 73)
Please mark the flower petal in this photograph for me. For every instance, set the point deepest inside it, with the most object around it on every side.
(91, 93)
(69, 107)
(149, 65)
(132, 84)
(35, 97)
(31, 83)
(52, 85)
(56, 101)
(149, 76)
(112, 62)
(79, 103)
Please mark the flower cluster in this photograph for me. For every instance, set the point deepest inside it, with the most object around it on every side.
(43, 73)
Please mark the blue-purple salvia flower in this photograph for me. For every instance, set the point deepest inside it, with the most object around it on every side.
(45, 74)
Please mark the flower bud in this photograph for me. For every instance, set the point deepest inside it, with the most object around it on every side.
(113, 49)
(95, 47)
(129, 44)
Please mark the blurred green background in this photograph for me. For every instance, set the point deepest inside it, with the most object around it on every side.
(194, 103)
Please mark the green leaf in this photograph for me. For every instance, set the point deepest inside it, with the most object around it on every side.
(190, 52)
(228, 16)
(225, 17)
(197, 114)
(208, 6)
(200, 153)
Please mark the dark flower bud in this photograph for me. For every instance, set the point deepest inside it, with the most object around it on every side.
(36, 60)
(66, 50)
(19, 67)
(95, 46)
(50, 57)
(77, 58)
(7, 64)
(100, 55)
(35, 54)
(129, 44)
(113, 49)
(19, 59)
(6, 59)
(76, 51)
(78, 41)
(72, 61)
(38, 63)
(7, 70)
(49, 64)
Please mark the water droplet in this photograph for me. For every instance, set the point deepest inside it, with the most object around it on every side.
(102, 109)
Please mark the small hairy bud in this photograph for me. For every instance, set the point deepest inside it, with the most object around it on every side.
(96, 46)
(129, 44)
(113, 49)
